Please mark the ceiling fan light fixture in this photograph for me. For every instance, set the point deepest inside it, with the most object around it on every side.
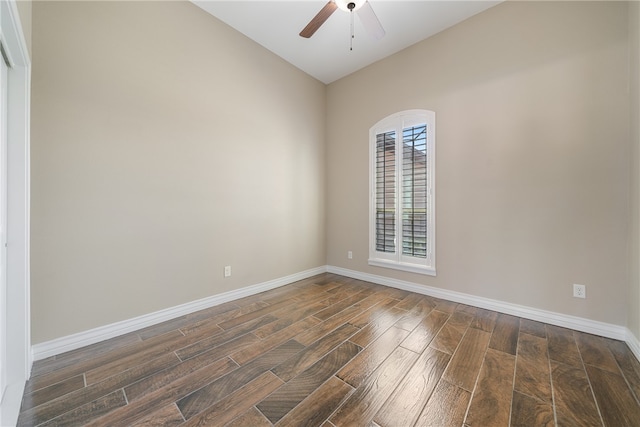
(344, 4)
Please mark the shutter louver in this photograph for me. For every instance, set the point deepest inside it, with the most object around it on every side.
(386, 192)
(414, 191)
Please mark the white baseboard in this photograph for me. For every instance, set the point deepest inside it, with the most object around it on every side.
(75, 341)
(81, 339)
(572, 322)
(633, 343)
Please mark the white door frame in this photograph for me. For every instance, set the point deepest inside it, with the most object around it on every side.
(18, 359)
(3, 224)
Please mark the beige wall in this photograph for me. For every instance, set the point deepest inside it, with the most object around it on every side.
(165, 145)
(532, 153)
(634, 221)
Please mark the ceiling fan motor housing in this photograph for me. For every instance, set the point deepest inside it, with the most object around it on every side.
(349, 6)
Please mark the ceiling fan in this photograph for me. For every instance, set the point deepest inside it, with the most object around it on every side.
(365, 12)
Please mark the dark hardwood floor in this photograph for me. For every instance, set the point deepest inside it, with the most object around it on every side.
(335, 351)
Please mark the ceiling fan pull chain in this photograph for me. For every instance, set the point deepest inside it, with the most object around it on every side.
(351, 38)
(351, 6)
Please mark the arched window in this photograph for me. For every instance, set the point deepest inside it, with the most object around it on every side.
(402, 178)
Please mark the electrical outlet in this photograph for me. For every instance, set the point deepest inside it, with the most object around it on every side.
(227, 271)
(579, 291)
(350, 255)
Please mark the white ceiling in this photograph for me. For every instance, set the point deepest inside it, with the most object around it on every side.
(326, 56)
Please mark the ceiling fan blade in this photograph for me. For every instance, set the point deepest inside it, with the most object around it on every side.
(370, 21)
(319, 19)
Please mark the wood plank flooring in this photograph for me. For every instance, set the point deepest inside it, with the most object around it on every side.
(334, 351)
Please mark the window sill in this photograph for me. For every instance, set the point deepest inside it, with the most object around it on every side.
(412, 268)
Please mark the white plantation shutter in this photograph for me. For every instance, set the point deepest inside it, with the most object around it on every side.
(414, 191)
(386, 192)
(402, 223)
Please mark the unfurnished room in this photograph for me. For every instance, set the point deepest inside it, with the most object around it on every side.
(319, 213)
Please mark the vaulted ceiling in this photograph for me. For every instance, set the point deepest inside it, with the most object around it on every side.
(326, 55)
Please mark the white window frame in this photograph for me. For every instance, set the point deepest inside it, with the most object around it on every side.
(397, 260)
